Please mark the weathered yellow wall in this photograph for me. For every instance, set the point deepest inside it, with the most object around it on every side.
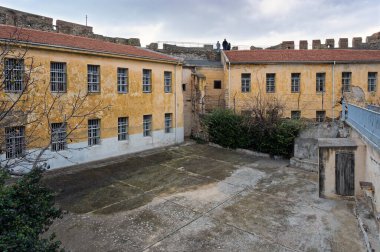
(308, 100)
(133, 105)
(213, 97)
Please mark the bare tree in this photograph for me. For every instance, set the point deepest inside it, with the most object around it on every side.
(29, 111)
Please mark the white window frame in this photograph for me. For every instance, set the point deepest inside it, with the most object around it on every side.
(58, 136)
(122, 128)
(93, 78)
(245, 82)
(58, 80)
(122, 80)
(372, 81)
(147, 81)
(346, 81)
(147, 125)
(295, 82)
(271, 82)
(14, 70)
(320, 82)
(14, 142)
(318, 116)
(168, 122)
(93, 132)
(167, 82)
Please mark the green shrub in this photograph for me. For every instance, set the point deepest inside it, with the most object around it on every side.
(227, 129)
(275, 137)
(26, 211)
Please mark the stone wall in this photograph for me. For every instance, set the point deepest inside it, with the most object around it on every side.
(25, 20)
(372, 43)
(32, 21)
(188, 53)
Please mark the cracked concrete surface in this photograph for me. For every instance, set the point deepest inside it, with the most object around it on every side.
(198, 198)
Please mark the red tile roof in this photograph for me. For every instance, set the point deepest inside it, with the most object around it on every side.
(78, 43)
(303, 56)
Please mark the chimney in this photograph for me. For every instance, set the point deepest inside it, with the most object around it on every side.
(316, 44)
(303, 45)
(343, 43)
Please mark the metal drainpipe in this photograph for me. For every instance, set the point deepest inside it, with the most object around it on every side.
(333, 91)
(175, 103)
(229, 84)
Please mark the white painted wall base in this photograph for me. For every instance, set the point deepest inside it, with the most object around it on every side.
(109, 147)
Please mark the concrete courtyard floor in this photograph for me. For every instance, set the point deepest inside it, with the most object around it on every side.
(198, 198)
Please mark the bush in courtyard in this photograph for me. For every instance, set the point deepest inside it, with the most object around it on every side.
(227, 129)
(26, 211)
(275, 137)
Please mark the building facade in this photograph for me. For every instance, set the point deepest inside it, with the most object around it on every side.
(132, 98)
(310, 83)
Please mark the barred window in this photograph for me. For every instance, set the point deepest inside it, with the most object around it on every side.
(58, 77)
(147, 125)
(271, 85)
(295, 82)
(245, 82)
(13, 75)
(346, 81)
(93, 132)
(147, 81)
(122, 128)
(122, 80)
(320, 116)
(168, 122)
(93, 78)
(320, 82)
(295, 114)
(372, 81)
(15, 141)
(58, 136)
(168, 82)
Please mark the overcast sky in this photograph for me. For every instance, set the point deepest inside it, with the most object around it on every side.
(242, 22)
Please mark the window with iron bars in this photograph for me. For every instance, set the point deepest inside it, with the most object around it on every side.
(168, 82)
(320, 116)
(93, 132)
(295, 114)
(270, 83)
(147, 81)
(13, 75)
(58, 77)
(147, 125)
(372, 81)
(168, 122)
(15, 142)
(295, 82)
(122, 128)
(245, 82)
(320, 82)
(122, 80)
(93, 78)
(58, 136)
(346, 81)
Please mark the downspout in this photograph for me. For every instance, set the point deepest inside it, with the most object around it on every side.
(229, 84)
(333, 91)
(175, 102)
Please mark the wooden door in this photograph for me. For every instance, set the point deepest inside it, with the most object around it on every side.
(345, 173)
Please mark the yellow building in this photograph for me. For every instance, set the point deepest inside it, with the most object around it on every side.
(310, 83)
(133, 97)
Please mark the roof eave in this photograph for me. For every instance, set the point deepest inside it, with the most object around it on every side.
(305, 62)
(94, 51)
